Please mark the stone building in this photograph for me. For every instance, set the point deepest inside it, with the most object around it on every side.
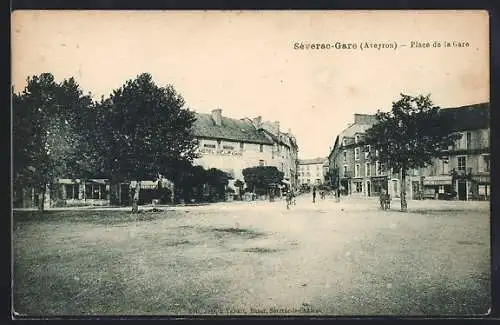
(232, 145)
(463, 169)
(312, 171)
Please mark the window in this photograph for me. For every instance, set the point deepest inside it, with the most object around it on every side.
(377, 168)
(261, 148)
(484, 163)
(218, 144)
(345, 156)
(356, 170)
(242, 146)
(95, 191)
(209, 146)
(345, 170)
(228, 147)
(444, 166)
(462, 142)
(367, 151)
(356, 138)
(367, 169)
(261, 162)
(376, 153)
(356, 153)
(461, 163)
(359, 187)
(469, 140)
(344, 143)
(72, 191)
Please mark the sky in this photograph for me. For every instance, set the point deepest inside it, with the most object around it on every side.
(245, 63)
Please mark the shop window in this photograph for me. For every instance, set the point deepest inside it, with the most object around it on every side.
(95, 191)
(72, 191)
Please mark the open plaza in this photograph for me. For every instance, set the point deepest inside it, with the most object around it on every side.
(326, 258)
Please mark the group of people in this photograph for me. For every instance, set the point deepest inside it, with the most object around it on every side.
(384, 198)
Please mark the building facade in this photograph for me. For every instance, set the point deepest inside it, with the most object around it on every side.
(461, 172)
(232, 145)
(312, 171)
(350, 161)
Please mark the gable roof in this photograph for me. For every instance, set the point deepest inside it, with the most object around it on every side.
(470, 117)
(231, 129)
(312, 161)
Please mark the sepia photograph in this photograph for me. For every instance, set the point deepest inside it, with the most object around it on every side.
(258, 162)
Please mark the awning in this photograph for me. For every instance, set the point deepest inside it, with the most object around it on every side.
(437, 180)
(286, 182)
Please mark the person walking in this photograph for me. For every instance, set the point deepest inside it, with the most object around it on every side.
(314, 194)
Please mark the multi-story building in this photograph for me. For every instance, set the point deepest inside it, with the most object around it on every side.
(232, 145)
(312, 171)
(349, 160)
(463, 168)
(285, 150)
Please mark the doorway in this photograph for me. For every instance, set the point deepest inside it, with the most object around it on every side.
(462, 190)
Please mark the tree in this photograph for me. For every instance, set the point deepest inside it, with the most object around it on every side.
(408, 137)
(262, 177)
(144, 130)
(46, 132)
(239, 184)
(217, 180)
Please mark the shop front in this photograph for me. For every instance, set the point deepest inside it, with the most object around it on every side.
(480, 187)
(438, 187)
(377, 184)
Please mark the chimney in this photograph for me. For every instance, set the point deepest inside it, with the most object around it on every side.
(364, 119)
(257, 122)
(289, 131)
(217, 116)
(277, 126)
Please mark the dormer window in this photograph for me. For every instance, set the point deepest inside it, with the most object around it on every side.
(344, 143)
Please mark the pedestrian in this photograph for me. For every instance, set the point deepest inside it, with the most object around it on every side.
(314, 194)
(338, 195)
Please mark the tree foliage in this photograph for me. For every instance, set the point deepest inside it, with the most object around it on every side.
(409, 136)
(47, 125)
(262, 177)
(144, 130)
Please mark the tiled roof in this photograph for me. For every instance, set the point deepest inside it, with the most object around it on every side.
(470, 117)
(312, 161)
(231, 129)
